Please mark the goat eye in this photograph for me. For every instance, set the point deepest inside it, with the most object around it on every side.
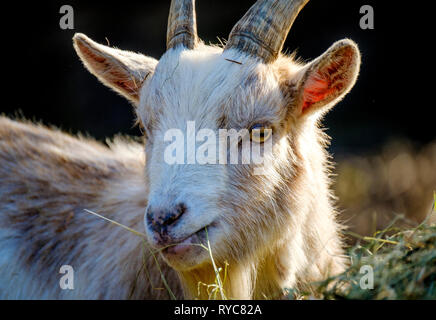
(260, 133)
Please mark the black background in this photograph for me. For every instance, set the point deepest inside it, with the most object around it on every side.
(44, 79)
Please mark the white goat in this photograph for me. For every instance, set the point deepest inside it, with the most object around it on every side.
(269, 231)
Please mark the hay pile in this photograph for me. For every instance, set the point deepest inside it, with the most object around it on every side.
(403, 263)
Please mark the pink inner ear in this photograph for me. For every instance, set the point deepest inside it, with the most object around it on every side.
(325, 83)
(114, 75)
(317, 89)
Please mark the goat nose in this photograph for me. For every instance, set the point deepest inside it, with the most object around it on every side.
(159, 219)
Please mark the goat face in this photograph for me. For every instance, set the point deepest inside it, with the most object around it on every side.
(195, 91)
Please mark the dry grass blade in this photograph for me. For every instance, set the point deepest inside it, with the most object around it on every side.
(217, 287)
(139, 234)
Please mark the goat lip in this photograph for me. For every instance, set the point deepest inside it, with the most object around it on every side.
(183, 246)
(178, 248)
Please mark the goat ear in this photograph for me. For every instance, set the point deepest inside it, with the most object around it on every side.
(123, 71)
(327, 79)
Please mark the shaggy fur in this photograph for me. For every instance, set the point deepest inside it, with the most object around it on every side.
(275, 231)
(47, 180)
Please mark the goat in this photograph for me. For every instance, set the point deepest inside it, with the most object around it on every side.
(268, 232)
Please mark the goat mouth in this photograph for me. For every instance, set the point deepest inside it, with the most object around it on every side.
(194, 240)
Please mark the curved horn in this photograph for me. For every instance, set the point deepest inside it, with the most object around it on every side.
(263, 29)
(182, 25)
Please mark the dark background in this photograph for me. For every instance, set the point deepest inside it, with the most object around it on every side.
(46, 81)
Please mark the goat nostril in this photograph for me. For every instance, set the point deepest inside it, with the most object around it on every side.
(181, 209)
(174, 214)
(159, 219)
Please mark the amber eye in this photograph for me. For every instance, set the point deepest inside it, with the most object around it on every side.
(260, 133)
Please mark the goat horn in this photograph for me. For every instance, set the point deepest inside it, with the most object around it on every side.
(182, 25)
(263, 29)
